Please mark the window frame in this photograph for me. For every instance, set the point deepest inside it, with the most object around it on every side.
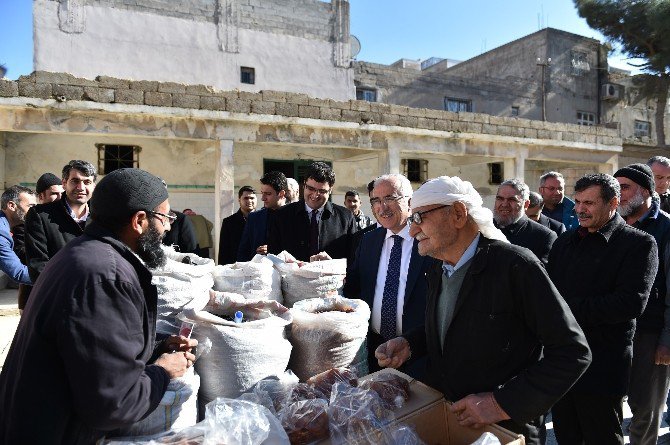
(637, 130)
(103, 159)
(586, 118)
(459, 102)
(419, 173)
(249, 71)
(365, 92)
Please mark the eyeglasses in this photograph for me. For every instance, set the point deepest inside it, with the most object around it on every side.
(417, 217)
(163, 218)
(319, 191)
(386, 200)
(552, 189)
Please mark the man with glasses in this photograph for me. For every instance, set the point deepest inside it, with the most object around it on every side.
(509, 216)
(49, 227)
(313, 228)
(387, 272)
(84, 360)
(501, 342)
(556, 205)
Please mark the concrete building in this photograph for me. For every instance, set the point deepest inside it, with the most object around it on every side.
(207, 143)
(296, 46)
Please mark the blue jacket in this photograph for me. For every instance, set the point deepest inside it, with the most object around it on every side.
(9, 262)
(569, 218)
(255, 234)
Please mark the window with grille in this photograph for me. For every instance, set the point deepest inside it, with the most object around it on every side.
(247, 75)
(580, 63)
(457, 105)
(112, 157)
(586, 118)
(416, 170)
(367, 94)
(642, 129)
(515, 111)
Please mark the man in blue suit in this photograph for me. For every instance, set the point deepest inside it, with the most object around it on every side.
(388, 273)
(254, 237)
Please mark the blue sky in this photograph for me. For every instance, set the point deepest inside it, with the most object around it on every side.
(388, 29)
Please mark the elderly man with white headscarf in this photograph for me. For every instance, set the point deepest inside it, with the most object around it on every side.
(501, 341)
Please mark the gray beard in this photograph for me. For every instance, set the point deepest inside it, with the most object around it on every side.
(632, 207)
(504, 222)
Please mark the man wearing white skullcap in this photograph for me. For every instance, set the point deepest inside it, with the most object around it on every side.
(501, 341)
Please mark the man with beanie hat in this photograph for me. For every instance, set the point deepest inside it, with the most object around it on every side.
(501, 342)
(51, 226)
(650, 373)
(49, 188)
(84, 362)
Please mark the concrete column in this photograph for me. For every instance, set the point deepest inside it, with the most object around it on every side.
(515, 167)
(227, 26)
(610, 166)
(341, 43)
(389, 161)
(224, 188)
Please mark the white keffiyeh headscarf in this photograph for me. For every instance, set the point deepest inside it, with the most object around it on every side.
(447, 190)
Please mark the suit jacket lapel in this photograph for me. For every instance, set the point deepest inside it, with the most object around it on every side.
(414, 270)
(377, 238)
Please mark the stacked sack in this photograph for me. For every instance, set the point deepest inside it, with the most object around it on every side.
(241, 353)
(255, 279)
(319, 279)
(184, 280)
(328, 333)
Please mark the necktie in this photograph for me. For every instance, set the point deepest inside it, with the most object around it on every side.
(390, 296)
(313, 234)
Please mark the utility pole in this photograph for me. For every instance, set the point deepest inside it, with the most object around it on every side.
(543, 64)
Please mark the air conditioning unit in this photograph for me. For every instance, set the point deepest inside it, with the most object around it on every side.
(611, 91)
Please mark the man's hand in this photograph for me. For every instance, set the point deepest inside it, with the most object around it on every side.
(263, 250)
(478, 410)
(176, 364)
(393, 353)
(321, 256)
(178, 343)
(662, 355)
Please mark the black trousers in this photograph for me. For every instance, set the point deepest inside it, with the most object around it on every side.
(588, 419)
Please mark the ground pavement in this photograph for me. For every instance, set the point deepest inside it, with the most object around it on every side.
(9, 319)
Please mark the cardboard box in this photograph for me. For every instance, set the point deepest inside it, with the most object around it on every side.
(427, 412)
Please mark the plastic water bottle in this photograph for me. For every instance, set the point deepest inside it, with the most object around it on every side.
(238, 317)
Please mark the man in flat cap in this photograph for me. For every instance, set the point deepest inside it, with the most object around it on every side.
(49, 188)
(501, 342)
(84, 361)
(650, 374)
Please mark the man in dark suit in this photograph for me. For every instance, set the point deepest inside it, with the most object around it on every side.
(509, 217)
(396, 306)
(232, 227)
(254, 237)
(313, 228)
(501, 342)
(534, 212)
(49, 227)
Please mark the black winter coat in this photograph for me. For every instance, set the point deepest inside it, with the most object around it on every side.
(77, 366)
(49, 227)
(531, 235)
(605, 277)
(511, 334)
(230, 236)
(289, 230)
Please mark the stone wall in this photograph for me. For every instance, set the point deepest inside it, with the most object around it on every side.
(103, 89)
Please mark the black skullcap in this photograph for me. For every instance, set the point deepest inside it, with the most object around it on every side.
(125, 191)
(640, 174)
(46, 181)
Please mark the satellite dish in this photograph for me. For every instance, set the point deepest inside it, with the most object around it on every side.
(355, 45)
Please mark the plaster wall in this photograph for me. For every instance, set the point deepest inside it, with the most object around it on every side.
(138, 45)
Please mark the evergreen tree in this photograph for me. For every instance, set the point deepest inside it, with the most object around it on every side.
(641, 29)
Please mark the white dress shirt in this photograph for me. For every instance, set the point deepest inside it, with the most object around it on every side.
(407, 243)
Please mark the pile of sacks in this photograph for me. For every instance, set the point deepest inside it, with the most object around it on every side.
(322, 331)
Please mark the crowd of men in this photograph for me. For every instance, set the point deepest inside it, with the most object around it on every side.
(540, 303)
